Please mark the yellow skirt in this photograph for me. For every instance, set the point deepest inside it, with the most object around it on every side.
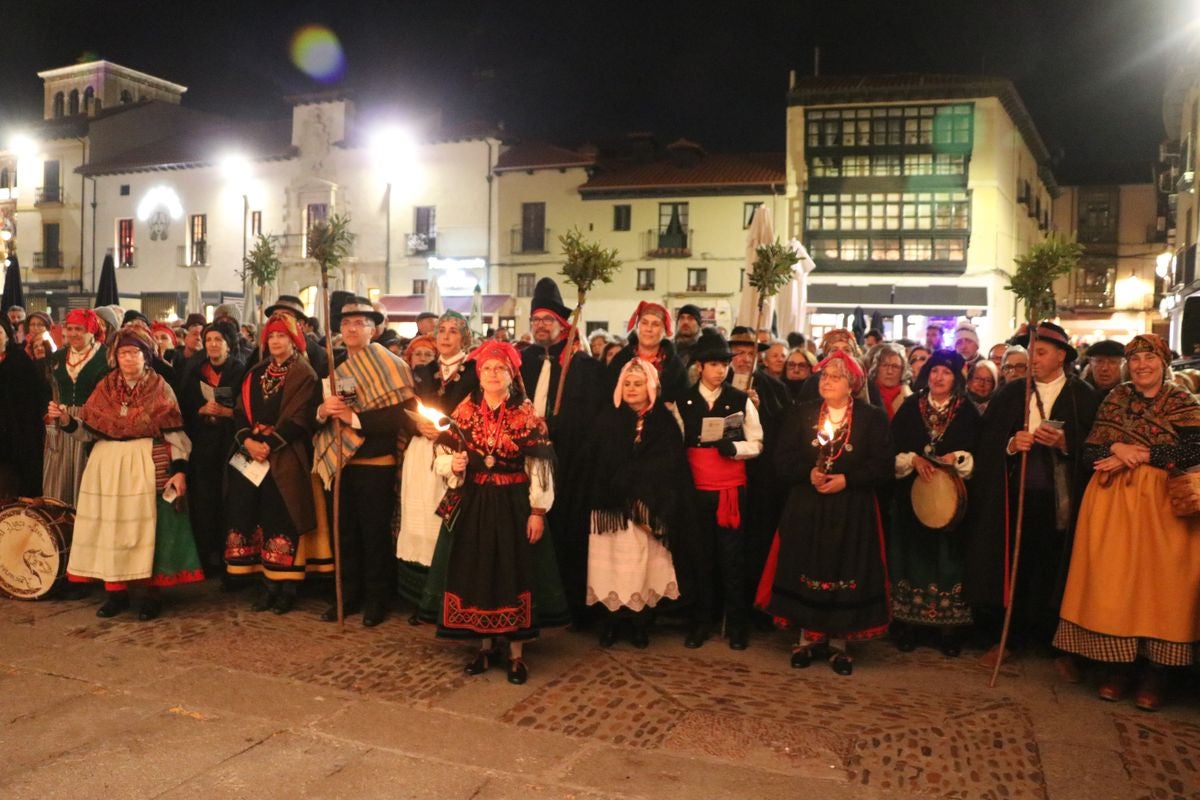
(1135, 566)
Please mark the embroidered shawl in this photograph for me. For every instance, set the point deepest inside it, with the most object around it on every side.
(1126, 416)
(152, 409)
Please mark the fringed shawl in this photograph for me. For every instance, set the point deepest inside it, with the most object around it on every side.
(151, 412)
(1127, 416)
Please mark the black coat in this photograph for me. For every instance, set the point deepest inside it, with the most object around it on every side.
(674, 375)
(991, 516)
(23, 400)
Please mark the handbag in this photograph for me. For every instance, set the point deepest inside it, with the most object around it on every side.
(1183, 491)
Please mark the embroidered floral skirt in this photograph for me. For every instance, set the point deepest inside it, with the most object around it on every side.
(261, 537)
(826, 572)
(486, 579)
(925, 568)
(630, 569)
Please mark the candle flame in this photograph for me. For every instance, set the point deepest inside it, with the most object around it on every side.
(825, 435)
(439, 420)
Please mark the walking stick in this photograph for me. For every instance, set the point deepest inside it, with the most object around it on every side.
(1016, 558)
(337, 475)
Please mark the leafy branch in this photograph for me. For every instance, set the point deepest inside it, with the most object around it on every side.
(329, 241)
(586, 262)
(772, 268)
(1037, 270)
(261, 264)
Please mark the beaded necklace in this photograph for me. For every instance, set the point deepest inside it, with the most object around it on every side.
(491, 428)
(840, 438)
(273, 376)
(126, 392)
(937, 420)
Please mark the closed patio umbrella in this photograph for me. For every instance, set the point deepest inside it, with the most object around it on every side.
(106, 290)
(13, 294)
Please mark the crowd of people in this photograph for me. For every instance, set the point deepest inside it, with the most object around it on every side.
(843, 490)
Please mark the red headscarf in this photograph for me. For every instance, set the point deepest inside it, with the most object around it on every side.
(165, 328)
(84, 317)
(492, 350)
(419, 341)
(285, 323)
(646, 307)
(853, 369)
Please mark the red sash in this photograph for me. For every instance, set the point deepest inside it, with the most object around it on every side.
(712, 472)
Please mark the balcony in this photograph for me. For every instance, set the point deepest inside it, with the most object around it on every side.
(51, 259)
(48, 195)
(528, 240)
(1092, 299)
(667, 243)
(421, 244)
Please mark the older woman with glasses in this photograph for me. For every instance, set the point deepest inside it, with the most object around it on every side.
(1015, 364)
(797, 369)
(890, 374)
(917, 357)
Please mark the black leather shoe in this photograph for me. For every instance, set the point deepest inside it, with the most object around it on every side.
(374, 612)
(641, 637)
(414, 618)
(951, 646)
(739, 637)
(149, 609)
(842, 664)
(482, 663)
(802, 658)
(906, 640)
(608, 633)
(696, 637)
(284, 600)
(517, 673)
(115, 604)
(330, 613)
(264, 599)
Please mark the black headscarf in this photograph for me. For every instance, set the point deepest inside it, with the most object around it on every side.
(942, 358)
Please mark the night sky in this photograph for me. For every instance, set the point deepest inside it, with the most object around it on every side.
(1090, 71)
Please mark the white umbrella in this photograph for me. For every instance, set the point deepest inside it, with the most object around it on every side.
(194, 300)
(475, 320)
(793, 300)
(249, 311)
(760, 232)
(433, 296)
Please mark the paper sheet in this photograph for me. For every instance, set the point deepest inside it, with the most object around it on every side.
(253, 471)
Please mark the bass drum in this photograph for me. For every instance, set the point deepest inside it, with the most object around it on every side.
(940, 503)
(35, 543)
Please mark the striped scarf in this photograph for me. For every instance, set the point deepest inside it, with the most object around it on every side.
(381, 379)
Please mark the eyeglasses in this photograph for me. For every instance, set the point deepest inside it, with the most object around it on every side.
(542, 320)
(797, 367)
(493, 369)
(1014, 368)
(357, 323)
(890, 366)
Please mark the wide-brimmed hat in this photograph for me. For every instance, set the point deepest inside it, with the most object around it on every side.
(360, 307)
(743, 335)
(711, 346)
(288, 303)
(1055, 335)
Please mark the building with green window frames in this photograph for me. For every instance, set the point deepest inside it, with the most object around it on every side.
(913, 195)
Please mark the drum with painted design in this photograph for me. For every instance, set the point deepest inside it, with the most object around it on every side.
(940, 503)
(35, 543)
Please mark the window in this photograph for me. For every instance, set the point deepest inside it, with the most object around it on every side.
(314, 213)
(885, 166)
(645, 280)
(419, 285)
(51, 255)
(424, 238)
(198, 234)
(89, 94)
(856, 166)
(887, 130)
(73, 103)
(918, 126)
(697, 280)
(525, 283)
(256, 223)
(889, 211)
(124, 191)
(125, 243)
(622, 217)
(825, 167)
(885, 249)
(949, 164)
(533, 227)
(748, 210)
(855, 249)
(948, 250)
(918, 249)
(918, 164)
(59, 105)
(672, 226)
(51, 191)
(953, 125)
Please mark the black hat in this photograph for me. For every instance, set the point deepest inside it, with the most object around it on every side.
(711, 346)
(388, 337)
(951, 360)
(133, 314)
(194, 319)
(360, 307)
(226, 328)
(547, 297)
(691, 310)
(1048, 331)
(743, 335)
(289, 303)
(1107, 347)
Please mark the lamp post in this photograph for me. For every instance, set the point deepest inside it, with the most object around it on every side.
(235, 169)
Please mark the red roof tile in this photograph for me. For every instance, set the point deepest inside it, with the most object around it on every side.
(715, 170)
(538, 155)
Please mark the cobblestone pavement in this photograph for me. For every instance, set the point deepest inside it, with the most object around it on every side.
(214, 700)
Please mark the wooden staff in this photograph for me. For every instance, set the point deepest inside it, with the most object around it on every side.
(1016, 557)
(569, 350)
(337, 475)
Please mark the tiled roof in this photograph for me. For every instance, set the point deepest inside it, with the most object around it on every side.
(202, 145)
(714, 170)
(539, 155)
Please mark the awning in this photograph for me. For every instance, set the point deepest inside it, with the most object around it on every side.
(405, 308)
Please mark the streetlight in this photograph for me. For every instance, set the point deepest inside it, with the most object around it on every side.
(393, 153)
(235, 169)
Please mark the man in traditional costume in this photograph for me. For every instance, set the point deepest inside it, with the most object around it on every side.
(722, 431)
(542, 366)
(1105, 361)
(1061, 410)
(362, 410)
(76, 369)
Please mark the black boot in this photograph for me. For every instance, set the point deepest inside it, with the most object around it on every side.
(285, 598)
(115, 604)
(641, 631)
(608, 630)
(150, 607)
(265, 597)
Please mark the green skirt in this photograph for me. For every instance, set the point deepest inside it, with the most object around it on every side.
(176, 560)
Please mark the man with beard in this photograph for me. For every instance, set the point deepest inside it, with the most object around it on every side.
(687, 331)
(542, 365)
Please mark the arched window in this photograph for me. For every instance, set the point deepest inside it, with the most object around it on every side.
(89, 94)
(59, 100)
(126, 97)
(74, 106)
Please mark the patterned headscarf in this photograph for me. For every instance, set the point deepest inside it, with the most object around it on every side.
(646, 369)
(425, 341)
(133, 335)
(654, 309)
(461, 323)
(285, 323)
(840, 335)
(1151, 343)
(165, 328)
(854, 370)
(84, 317)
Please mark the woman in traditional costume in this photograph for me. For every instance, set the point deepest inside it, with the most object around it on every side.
(23, 399)
(440, 385)
(494, 574)
(126, 529)
(75, 371)
(826, 574)
(640, 489)
(1133, 587)
(650, 340)
(936, 427)
(270, 522)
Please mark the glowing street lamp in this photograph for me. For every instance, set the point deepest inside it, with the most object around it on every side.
(235, 169)
(393, 152)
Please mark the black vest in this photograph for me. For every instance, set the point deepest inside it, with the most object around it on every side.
(693, 408)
